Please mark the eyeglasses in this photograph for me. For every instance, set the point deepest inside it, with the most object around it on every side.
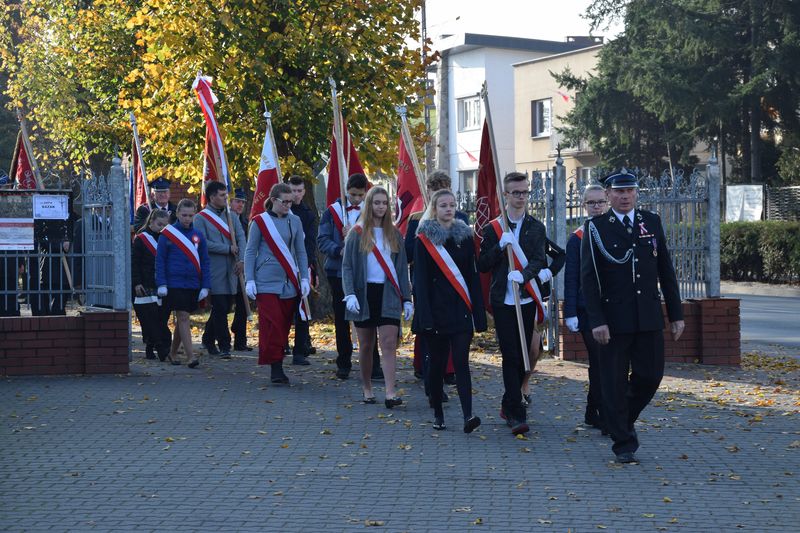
(595, 203)
(282, 202)
(518, 194)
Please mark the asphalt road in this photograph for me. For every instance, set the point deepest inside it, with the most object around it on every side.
(770, 321)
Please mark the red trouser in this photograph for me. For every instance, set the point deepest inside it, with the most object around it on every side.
(275, 317)
(419, 347)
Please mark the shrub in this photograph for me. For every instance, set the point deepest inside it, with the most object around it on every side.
(767, 251)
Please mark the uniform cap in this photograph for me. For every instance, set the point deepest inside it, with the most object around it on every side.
(620, 180)
(160, 184)
(239, 194)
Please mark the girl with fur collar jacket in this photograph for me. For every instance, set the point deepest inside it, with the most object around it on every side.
(449, 302)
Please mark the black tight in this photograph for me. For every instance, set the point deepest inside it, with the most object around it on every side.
(440, 347)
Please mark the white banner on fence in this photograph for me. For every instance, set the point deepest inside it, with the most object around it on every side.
(743, 203)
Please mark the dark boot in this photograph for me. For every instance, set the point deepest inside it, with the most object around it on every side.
(277, 375)
(149, 352)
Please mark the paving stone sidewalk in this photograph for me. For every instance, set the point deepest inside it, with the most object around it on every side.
(221, 449)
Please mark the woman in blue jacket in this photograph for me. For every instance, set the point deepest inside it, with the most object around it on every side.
(182, 275)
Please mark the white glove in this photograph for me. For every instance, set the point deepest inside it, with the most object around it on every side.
(408, 310)
(351, 303)
(516, 275)
(506, 238)
(250, 289)
(572, 323)
(202, 295)
(545, 275)
(162, 291)
(305, 288)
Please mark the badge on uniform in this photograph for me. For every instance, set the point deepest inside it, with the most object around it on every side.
(655, 247)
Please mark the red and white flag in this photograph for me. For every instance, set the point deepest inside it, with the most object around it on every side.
(215, 165)
(21, 168)
(352, 164)
(487, 206)
(267, 175)
(409, 197)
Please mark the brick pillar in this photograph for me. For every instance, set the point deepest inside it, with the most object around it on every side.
(720, 331)
(106, 340)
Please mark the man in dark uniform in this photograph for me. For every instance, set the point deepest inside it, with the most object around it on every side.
(239, 324)
(302, 338)
(159, 194)
(624, 259)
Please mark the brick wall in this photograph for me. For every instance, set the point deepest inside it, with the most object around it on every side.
(92, 343)
(711, 336)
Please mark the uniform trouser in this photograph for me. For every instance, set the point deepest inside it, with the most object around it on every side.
(274, 320)
(46, 274)
(344, 343)
(594, 398)
(217, 324)
(453, 347)
(624, 396)
(155, 331)
(302, 338)
(239, 324)
(421, 355)
(505, 319)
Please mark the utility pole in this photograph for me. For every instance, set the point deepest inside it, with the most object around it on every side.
(428, 95)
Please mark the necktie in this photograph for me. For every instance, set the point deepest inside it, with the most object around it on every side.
(627, 221)
(354, 208)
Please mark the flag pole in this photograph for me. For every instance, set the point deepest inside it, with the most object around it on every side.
(412, 152)
(141, 160)
(484, 94)
(268, 116)
(338, 137)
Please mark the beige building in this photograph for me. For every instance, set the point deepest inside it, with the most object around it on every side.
(539, 104)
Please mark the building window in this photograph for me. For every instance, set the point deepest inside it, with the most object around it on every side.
(541, 117)
(468, 179)
(469, 113)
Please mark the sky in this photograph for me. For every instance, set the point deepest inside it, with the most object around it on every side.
(535, 19)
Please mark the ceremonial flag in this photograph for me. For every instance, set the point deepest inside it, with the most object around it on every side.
(487, 206)
(409, 197)
(267, 175)
(352, 164)
(21, 169)
(215, 166)
(138, 180)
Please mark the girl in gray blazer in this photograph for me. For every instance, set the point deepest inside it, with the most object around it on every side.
(376, 288)
(276, 268)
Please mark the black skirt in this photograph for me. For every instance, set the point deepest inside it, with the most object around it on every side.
(182, 300)
(375, 303)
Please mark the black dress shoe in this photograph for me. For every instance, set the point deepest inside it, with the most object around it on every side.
(149, 352)
(211, 349)
(225, 353)
(471, 423)
(342, 373)
(300, 360)
(450, 379)
(194, 363)
(391, 403)
(518, 427)
(627, 458)
(311, 350)
(242, 348)
(176, 361)
(438, 423)
(369, 400)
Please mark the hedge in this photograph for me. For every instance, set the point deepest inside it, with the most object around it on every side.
(767, 251)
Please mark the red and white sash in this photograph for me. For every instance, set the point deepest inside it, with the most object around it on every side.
(149, 242)
(184, 245)
(385, 261)
(520, 262)
(338, 218)
(217, 222)
(448, 267)
(281, 252)
(579, 232)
